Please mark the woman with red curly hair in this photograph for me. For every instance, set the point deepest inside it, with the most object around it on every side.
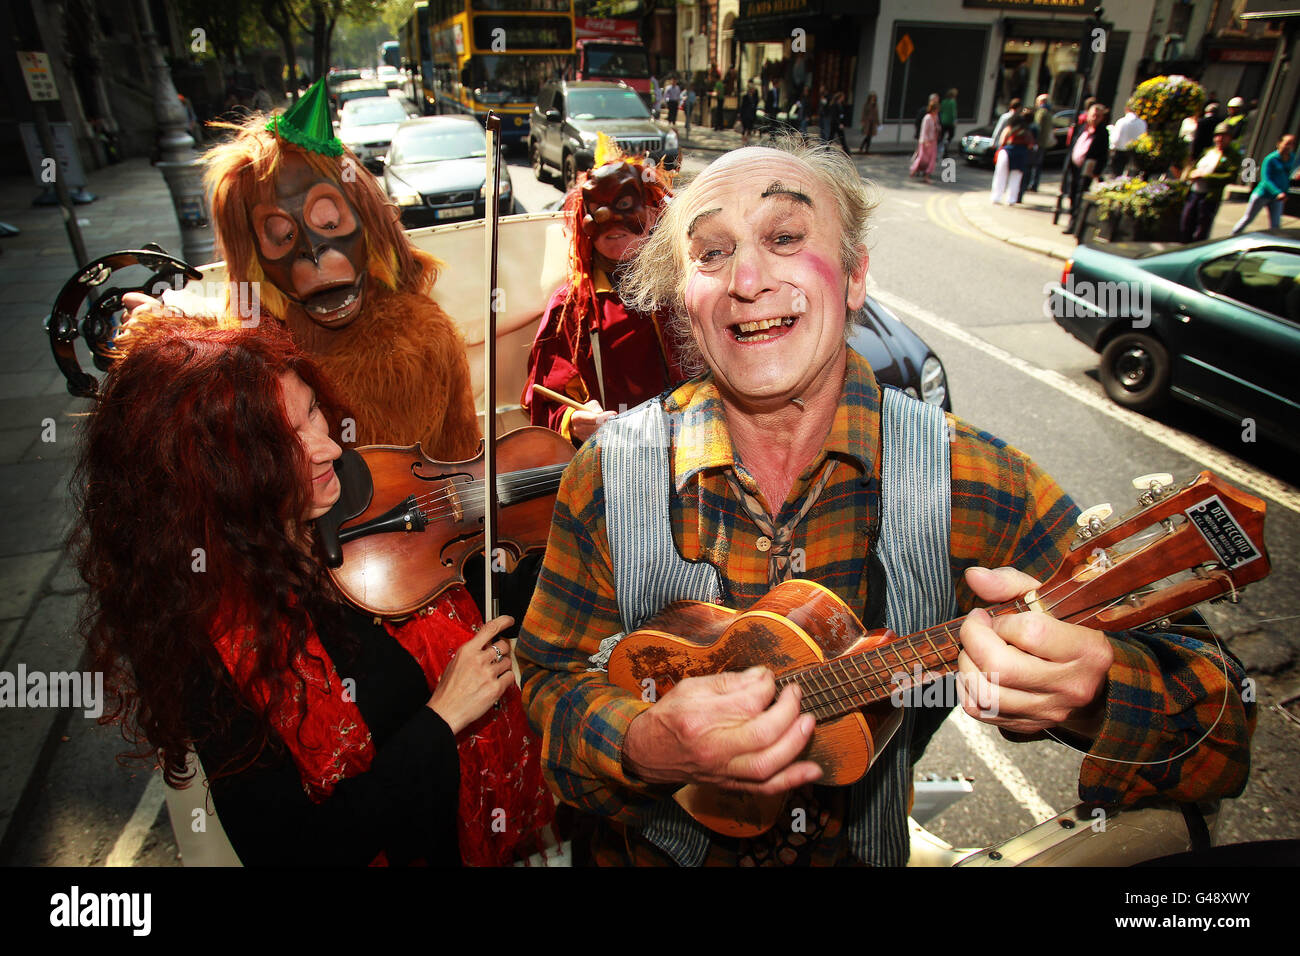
(205, 461)
(589, 346)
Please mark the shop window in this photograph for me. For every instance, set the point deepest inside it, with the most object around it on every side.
(943, 57)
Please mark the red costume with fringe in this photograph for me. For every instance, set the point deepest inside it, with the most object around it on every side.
(589, 346)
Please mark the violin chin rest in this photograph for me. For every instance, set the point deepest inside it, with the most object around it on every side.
(357, 489)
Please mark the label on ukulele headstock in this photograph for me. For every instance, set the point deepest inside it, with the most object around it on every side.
(1222, 533)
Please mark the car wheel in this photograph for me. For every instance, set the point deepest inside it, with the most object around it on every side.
(535, 156)
(570, 171)
(1135, 371)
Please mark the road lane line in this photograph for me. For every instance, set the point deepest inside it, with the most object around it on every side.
(137, 828)
(1218, 461)
(1007, 773)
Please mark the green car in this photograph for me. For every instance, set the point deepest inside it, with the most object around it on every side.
(1214, 323)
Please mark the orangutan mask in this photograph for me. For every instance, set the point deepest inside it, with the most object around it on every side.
(616, 214)
(310, 245)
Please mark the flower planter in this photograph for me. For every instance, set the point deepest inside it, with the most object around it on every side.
(1127, 228)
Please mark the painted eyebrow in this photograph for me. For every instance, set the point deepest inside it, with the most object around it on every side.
(690, 230)
(776, 189)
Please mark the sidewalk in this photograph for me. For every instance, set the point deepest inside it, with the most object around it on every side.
(40, 595)
(1029, 224)
(706, 140)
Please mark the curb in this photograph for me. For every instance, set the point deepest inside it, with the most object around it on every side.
(972, 206)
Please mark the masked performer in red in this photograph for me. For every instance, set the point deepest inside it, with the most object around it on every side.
(589, 347)
(327, 738)
(303, 223)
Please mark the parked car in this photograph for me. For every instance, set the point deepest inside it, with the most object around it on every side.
(977, 145)
(899, 356)
(435, 171)
(366, 127)
(569, 115)
(1215, 323)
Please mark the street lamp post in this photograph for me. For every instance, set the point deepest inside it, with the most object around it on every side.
(179, 163)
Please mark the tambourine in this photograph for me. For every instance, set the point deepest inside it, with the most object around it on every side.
(103, 318)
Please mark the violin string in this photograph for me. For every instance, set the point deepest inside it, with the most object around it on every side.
(537, 478)
(430, 502)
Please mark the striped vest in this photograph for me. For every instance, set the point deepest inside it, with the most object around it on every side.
(913, 548)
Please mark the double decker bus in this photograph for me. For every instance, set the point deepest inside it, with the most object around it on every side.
(417, 56)
(496, 54)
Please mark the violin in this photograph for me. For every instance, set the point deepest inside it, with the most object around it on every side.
(405, 525)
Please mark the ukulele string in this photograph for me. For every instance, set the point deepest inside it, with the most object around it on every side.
(831, 694)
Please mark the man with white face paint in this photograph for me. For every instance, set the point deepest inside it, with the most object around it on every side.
(786, 459)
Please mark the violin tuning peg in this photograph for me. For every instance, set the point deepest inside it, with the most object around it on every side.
(1091, 521)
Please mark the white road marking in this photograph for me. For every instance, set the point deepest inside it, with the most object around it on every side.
(137, 828)
(1218, 461)
(1007, 773)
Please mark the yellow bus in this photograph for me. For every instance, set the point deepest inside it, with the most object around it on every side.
(496, 54)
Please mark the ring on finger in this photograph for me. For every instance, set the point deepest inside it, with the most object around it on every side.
(497, 647)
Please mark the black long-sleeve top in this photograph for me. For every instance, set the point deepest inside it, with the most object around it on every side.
(405, 805)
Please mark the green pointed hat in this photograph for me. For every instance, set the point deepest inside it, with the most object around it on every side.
(307, 123)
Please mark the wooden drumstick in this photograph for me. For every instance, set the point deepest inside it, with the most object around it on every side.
(557, 397)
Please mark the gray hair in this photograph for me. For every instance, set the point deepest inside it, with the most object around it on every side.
(656, 281)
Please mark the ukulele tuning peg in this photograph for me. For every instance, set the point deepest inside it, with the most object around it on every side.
(1093, 520)
(1153, 486)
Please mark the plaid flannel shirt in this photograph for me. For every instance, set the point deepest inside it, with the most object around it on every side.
(1164, 690)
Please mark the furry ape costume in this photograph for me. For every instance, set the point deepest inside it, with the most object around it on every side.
(299, 215)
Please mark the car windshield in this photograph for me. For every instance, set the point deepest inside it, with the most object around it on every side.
(606, 104)
(619, 61)
(431, 144)
(511, 78)
(372, 111)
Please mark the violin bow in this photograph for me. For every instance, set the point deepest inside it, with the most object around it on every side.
(490, 212)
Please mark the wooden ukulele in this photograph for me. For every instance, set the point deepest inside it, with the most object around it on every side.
(1205, 536)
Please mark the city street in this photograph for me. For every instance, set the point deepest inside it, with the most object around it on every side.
(976, 299)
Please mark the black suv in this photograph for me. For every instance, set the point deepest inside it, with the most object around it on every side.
(569, 114)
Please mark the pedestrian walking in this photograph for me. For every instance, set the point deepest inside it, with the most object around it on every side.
(1012, 156)
(927, 145)
(1124, 134)
(824, 115)
(839, 119)
(947, 121)
(1088, 154)
(1274, 182)
(1013, 110)
(748, 112)
(690, 108)
(1214, 170)
(719, 94)
(1044, 133)
(870, 121)
(673, 97)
